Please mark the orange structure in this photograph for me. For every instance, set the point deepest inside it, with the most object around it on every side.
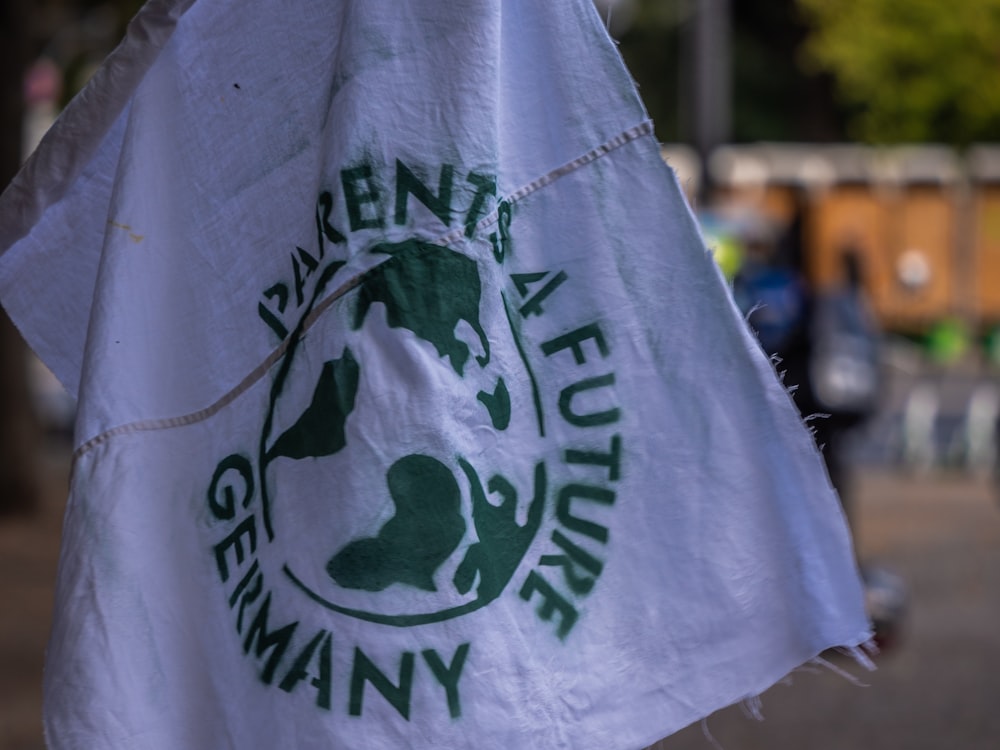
(923, 223)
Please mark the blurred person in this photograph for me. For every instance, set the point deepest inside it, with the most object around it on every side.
(824, 344)
(843, 379)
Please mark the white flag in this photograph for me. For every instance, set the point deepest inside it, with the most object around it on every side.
(412, 410)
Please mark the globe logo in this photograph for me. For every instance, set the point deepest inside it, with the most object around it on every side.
(401, 400)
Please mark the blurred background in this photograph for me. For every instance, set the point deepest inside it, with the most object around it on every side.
(843, 159)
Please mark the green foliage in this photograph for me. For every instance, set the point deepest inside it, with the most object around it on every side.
(914, 70)
(772, 98)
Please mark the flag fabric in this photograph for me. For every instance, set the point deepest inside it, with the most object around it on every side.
(412, 411)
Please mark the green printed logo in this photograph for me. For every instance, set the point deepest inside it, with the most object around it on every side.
(427, 291)
(404, 473)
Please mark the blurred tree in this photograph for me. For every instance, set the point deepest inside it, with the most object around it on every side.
(77, 35)
(773, 96)
(912, 70)
(18, 430)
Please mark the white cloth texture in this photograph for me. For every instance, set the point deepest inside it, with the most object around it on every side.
(412, 411)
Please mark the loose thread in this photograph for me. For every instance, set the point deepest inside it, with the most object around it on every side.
(708, 735)
(820, 661)
(753, 707)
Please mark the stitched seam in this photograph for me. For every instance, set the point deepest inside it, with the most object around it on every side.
(450, 237)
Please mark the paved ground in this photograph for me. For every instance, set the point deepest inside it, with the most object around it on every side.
(939, 689)
(28, 554)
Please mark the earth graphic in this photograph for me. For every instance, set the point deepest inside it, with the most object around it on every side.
(385, 440)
